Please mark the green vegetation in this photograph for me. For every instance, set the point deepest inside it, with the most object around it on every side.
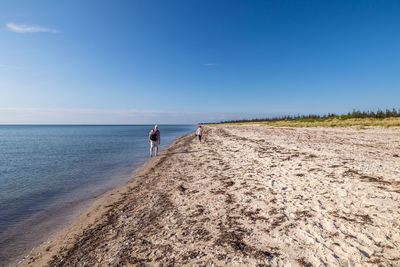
(388, 118)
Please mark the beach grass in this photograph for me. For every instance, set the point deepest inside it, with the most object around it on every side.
(327, 122)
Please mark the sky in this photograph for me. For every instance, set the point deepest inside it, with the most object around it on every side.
(189, 61)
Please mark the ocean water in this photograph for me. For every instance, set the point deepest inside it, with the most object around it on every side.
(50, 173)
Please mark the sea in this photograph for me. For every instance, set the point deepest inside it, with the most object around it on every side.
(51, 173)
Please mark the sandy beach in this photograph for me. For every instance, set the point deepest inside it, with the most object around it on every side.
(252, 196)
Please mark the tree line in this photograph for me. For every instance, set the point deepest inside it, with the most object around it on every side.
(355, 114)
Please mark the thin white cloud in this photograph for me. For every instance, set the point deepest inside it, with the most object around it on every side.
(209, 64)
(22, 28)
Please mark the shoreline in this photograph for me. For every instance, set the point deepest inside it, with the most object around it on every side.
(250, 195)
(66, 183)
(64, 215)
(87, 216)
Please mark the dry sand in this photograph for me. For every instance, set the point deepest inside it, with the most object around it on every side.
(250, 195)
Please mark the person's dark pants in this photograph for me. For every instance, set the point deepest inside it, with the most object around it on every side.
(199, 137)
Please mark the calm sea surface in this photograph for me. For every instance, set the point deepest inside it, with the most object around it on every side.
(49, 173)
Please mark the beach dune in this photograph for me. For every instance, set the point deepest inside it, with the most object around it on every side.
(250, 195)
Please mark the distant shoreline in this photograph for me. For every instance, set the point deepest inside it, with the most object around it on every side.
(325, 122)
(356, 118)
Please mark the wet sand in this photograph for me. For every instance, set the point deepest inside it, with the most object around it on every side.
(250, 195)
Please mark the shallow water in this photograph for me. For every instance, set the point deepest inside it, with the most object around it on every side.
(48, 173)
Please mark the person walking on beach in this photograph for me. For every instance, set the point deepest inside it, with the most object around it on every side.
(199, 132)
(154, 140)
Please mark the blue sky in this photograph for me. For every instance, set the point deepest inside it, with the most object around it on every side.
(87, 61)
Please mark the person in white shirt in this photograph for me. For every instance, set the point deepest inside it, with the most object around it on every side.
(199, 132)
